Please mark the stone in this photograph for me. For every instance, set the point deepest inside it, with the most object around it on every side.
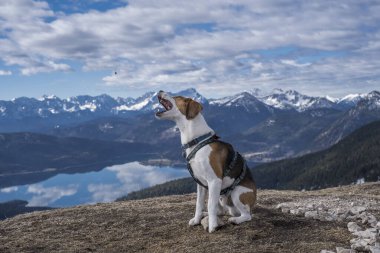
(311, 214)
(343, 250)
(204, 222)
(353, 227)
(374, 249)
(369, 234)
(285, 210)
(296, 211)
(326, 251)
(357, 209)
(360, 244)
(372, 221)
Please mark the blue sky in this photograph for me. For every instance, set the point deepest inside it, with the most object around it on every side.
(75, 47)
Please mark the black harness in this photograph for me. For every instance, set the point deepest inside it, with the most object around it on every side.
(203, 141)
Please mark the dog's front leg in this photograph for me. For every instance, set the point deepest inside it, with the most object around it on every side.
(201, 194)
(214, 188)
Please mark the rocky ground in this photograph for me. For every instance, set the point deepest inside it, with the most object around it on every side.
(334, 219)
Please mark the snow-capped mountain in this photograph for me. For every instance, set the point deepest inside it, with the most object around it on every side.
(350, 100)
(102, 106)
(291, 99)
(278, 124)
(367, 109)
(245, 100)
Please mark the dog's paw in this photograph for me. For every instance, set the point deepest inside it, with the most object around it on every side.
(233, 220)
(194, 221)
(214, 223)
(212, 228)
(240, 219)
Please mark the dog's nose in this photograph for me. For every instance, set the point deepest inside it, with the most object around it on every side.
(161, 91)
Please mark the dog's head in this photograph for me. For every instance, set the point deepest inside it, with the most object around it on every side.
(177, 107)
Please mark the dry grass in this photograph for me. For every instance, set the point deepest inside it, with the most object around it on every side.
(160, 225)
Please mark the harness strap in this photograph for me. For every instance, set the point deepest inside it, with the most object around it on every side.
(227, 191)
(192, 154)
(197, 140)
(226, 171)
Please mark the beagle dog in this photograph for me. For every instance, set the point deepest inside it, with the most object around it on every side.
(208, 164)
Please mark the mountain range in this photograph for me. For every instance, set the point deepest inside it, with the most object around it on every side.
(264, 127)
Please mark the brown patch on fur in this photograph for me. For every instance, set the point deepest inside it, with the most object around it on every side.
(181, 104)
(248, 198)
(188, 107)
(248, 181)
(218, 158)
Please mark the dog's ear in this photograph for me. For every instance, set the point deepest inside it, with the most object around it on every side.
(192, 109)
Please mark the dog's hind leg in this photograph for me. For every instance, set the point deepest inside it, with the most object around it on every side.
(243, 199)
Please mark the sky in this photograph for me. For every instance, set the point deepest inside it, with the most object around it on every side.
(126, 48)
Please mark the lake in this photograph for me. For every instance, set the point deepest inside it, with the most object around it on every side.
(112, 182)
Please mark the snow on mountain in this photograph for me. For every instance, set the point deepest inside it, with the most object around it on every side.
(104, 105)
(245, 99)
(350, 100)
(371, 101)
(291, 99)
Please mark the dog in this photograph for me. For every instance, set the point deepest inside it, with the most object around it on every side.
(208, 160)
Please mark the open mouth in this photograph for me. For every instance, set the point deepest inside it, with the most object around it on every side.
(165, 103)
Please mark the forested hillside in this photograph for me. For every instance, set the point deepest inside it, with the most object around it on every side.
(355, 157)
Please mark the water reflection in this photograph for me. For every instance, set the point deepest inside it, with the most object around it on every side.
(93, 187)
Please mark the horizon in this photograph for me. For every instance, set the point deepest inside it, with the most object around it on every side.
(209, 98)
(324, 48)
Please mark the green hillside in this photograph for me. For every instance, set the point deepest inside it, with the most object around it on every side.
(356, 156)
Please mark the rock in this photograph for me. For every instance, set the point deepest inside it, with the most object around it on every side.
(368, 234)
(204, 222)
(378, 225)
(285, 210)
(360, 244)
(374, 249)
(311, 214)
(372, 221)
(357, 209)
(343, 250)
(353, 227)
(326, 251)
(296, 211)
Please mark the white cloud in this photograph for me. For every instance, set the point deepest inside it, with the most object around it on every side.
(5, 72)
(132, 176)
(44, 196)
(198, 43)
(9, 189)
